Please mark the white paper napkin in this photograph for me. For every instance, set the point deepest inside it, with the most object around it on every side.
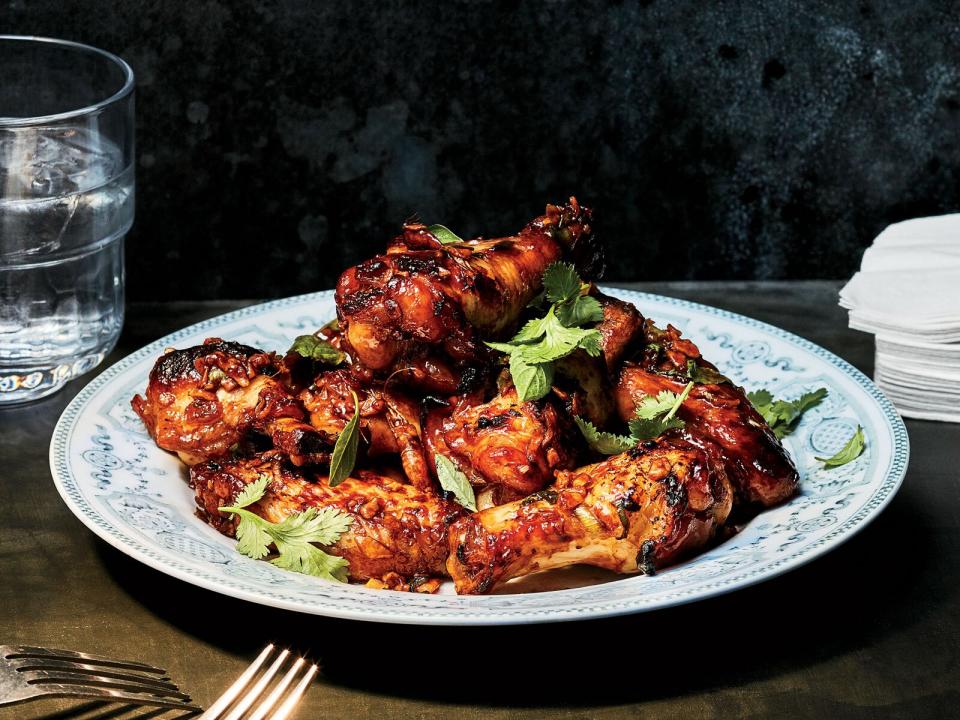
(907, 293)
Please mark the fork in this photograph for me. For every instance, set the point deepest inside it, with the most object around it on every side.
(232, 705)
(28, 673)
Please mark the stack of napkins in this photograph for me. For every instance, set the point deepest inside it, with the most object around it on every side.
(907, 293)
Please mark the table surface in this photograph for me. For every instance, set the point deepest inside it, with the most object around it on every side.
(870, 630)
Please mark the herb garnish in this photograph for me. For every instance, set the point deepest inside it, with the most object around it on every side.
(345, 449)
(454, 481)
(783, 416)
(542, 341)
(703, 375)
(293, 537)
(444, 234)
(654, 416)
(848, 453)
(604, 442)
(315, 348)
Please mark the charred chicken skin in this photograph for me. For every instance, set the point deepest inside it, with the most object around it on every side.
(202, 400)
(633, 512)
(396, 530)
(718, 417)
(421, 309)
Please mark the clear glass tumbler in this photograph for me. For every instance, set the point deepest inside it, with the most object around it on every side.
(66, 203)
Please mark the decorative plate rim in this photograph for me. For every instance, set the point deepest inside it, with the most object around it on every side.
(68, 487)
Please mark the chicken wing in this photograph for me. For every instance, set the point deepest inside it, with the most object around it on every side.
(396, 529)
(620, 330)
(634, 512)
(420, 309)
(718, 417)
(389, 420)
(513, 446)
(202, 400)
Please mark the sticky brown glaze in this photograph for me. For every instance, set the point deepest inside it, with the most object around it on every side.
(718, 417)
(634, 512)
(516, 446)
(419, 310)
(396, 527)
(200, 401)
(621, 329)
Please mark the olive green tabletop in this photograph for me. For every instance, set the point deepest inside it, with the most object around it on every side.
(871, 630)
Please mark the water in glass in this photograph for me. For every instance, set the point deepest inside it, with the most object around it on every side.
(66, 203)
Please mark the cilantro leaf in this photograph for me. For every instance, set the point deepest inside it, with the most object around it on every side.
(848, 453)
(643, 429)
(652, 406)
(293, 537)
(590, 343)
(544, 340)
(783, 416)
(703, 375)
(561, 282)
(444, 234)
(454, 481)
(309, 560)
(253, 540)
(252, 492)
(656, 415)
(603, 442)
(532, 380)
(532, 330)
(314, 348)
(760, 398)
(319, 525)
(580, 311)
(345, 449)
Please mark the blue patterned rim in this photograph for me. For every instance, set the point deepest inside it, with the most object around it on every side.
(416, 609)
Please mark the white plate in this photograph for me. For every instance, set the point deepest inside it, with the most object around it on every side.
(132, 494)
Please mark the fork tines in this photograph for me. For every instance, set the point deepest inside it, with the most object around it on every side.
(65, 673)
(252, 692)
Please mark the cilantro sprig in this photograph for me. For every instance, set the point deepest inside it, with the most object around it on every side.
(783, 416)
(542, 341)
(654, 416)
(293, 537)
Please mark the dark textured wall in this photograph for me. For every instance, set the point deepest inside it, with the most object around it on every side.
(282, 139)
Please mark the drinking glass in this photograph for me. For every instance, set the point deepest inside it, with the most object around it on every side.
(66, 204)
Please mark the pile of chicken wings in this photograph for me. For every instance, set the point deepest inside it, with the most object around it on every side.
(410, 334)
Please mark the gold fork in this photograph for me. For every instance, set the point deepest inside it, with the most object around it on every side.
(249, 693)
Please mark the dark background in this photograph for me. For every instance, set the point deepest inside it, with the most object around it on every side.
(280, 140)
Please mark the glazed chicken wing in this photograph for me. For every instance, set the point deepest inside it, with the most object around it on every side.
(620, 330)
(420, 310)
(396, 530)
(633, 512)
(718, 417)
(389, 420)
(202, 400)
(510, 446)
